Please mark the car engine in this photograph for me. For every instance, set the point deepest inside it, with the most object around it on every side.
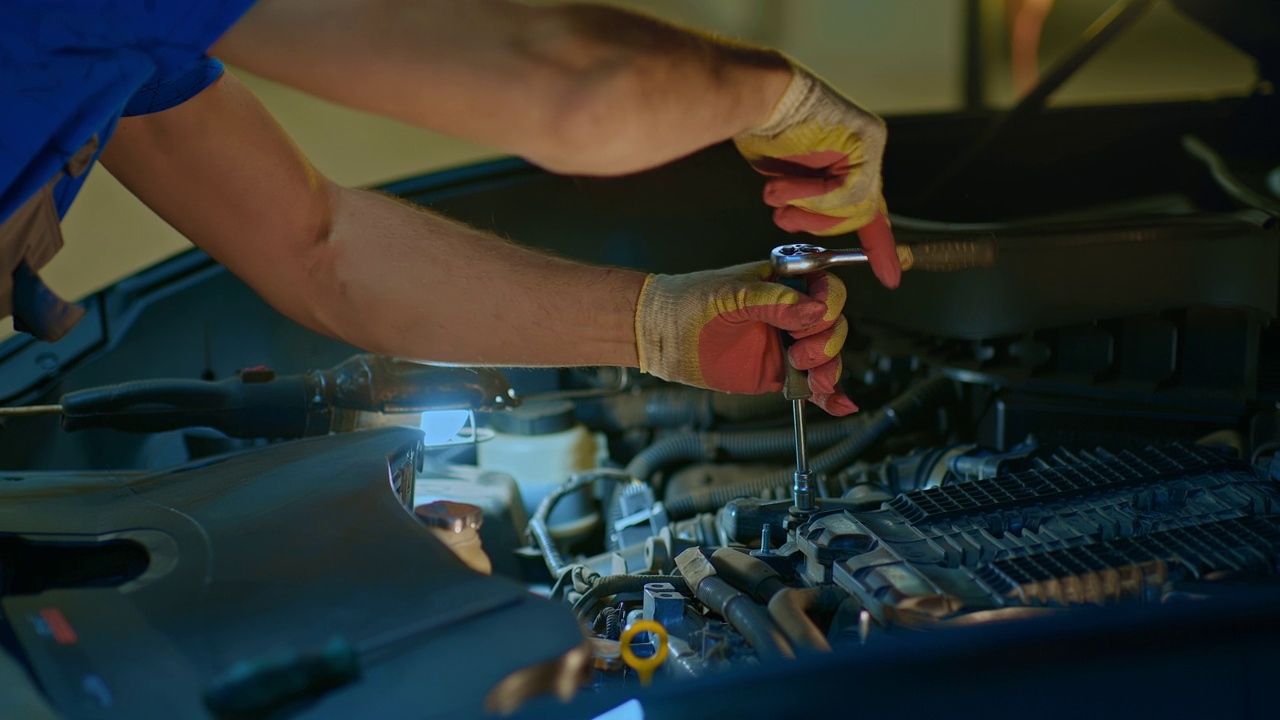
(914, 531)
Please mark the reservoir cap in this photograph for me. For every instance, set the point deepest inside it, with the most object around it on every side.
(534, 418)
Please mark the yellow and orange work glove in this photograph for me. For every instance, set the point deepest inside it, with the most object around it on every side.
(823, 154)
(718, 329)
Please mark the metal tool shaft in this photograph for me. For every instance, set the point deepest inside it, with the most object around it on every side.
(802, 451)
(801, 488)
(795, 387)
(30, 410)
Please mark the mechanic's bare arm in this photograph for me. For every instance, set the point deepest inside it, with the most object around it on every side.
(356, 265)
(575, 88)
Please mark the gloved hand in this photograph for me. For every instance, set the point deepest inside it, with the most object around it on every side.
(823, 153)
(718, 329)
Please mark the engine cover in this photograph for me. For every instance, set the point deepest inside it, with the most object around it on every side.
(1076, 528)
(188, 572)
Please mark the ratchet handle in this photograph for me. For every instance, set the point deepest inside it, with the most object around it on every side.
(795, 384)
(947, 255)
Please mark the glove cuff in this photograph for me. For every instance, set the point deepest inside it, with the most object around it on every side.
(640, 325)
(794, 103)
(669, 315)
(808, 108)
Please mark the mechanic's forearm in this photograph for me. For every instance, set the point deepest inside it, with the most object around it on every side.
(356, 265)
(398, 280)
(576, 88)
(660, 92)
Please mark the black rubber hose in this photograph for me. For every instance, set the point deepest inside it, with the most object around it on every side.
(846, 625)
(749, 445)
(788, 607)
(541, 537)
(859, 435)
(674, 407)
(750, 575)
(748, 618)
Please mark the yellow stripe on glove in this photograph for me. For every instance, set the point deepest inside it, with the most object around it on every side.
(823, 154)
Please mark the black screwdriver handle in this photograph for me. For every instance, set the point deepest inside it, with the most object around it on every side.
(276, 407)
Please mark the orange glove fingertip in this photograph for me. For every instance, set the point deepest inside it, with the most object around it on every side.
(877, 242)
(836, 404)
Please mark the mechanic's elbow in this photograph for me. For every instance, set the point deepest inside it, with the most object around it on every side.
(586, 137)
(588, 91)
(331, 290)
(315, 299)
(330, 306)
(584, 133)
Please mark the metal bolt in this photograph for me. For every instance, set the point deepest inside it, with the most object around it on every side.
(766, 541)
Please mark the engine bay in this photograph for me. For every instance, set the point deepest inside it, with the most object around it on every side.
(913, 531)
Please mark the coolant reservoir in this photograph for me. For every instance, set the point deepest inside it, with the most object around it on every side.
(541, 444)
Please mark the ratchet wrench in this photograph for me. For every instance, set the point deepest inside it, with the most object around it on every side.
(789, 261)
(942, 255)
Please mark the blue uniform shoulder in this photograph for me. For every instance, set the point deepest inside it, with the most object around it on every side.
(70, 68)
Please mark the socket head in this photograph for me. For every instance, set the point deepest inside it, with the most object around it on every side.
(792, 260)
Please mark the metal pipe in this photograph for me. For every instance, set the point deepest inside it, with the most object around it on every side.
(802, 450)
(801, 487)
(975, 72)
(1222, 175)
(30, 410)
(1118, 18)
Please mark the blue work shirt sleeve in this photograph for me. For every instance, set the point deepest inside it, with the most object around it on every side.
(163, 92)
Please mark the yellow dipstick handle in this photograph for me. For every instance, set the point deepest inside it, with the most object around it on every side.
(644, 667)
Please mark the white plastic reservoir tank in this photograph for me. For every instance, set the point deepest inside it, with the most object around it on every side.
(541, 445)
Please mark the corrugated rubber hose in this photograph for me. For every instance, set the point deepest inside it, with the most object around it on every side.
(855, 438)
(675, 407)
(743, 445)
